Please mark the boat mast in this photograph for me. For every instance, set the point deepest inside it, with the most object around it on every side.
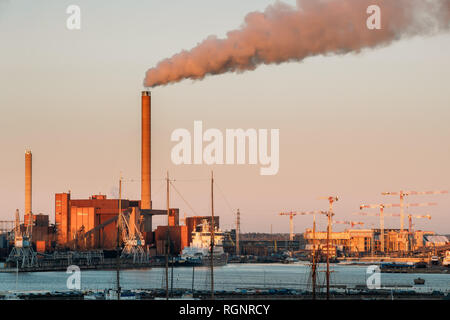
(212, 227)
(238, 231)
(313, 269)
(328, 255)
(193, 275)
(171, 275)
(118, 239)
(330, 215)
(168, 238)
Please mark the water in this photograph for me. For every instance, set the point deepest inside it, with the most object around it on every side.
(229, 277)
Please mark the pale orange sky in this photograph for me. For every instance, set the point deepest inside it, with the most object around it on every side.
(352, 125)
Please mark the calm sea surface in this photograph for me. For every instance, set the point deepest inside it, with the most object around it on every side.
(229, 277)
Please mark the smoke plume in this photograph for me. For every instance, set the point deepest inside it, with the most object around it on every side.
(284, 33)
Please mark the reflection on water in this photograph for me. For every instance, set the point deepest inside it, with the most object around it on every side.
(230, 277)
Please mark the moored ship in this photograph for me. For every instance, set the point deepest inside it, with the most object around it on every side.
(199, 252)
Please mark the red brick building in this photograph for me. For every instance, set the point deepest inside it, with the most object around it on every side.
(73, 216)
(98, 216)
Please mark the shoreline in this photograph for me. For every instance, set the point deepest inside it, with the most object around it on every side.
(131, 266)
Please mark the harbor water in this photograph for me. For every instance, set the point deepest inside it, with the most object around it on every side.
(229, 277)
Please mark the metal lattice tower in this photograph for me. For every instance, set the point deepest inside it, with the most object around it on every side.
(133, 240)
(22, 253)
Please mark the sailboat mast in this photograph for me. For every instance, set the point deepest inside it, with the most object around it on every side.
(314, 261)
(328, 255)
(330, 215)
(193, 275)
(168, 238)
(212, 228)
(118, 239)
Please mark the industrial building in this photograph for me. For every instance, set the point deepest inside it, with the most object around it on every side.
(92, 223)
(94, 220)
(76, 216)
(84, 224)
(44, 234)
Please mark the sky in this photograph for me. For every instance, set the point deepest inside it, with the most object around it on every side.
(353, 125)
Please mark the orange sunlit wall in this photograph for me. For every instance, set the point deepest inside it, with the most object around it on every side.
(81, 217)
(178, 238)
(62, 216)
(174, 217)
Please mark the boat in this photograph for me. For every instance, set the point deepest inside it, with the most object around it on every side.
(289, 260)
(420, 265)
(111, 294)
(419, 281)
(95, 296)
(199, 252)
(186, 262)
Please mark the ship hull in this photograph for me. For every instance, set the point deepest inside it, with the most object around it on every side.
(218, 261)
(204, 261)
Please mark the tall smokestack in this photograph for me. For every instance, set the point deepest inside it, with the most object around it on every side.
(28, 182)
(146, 200)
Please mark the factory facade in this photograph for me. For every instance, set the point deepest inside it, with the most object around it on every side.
(83, 224)
(97, 215)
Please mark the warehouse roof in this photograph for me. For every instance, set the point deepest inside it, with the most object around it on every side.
(436, 239)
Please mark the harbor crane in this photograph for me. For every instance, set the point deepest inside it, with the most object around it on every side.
(403, 194)
(133, 239)
(23, 252)
(381, 206)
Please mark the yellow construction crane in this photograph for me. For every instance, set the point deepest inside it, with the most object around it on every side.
(351, 223)
(291, 215)
(381, 206)
(403, 194)
(410, 216)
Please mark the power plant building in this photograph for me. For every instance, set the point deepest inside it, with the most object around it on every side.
(93, 222)
(98, 215)
(73, 217)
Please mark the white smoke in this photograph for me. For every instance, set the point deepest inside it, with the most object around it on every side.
(284, 33)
